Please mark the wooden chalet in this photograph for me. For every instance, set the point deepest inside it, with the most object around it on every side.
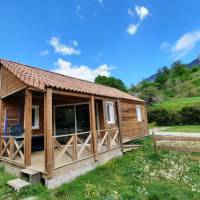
(61, 126)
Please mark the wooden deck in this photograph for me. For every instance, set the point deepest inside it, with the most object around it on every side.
(68, 149)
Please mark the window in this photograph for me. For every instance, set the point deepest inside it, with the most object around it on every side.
(110, 113)
(35, 116)
(138, 113)
(72, 119)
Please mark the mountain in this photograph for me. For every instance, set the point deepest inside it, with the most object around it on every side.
(195, 62)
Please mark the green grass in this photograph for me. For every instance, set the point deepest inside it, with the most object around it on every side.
(186, 128)
(177, 104)
(138, 175)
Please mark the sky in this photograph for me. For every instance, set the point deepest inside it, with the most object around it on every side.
(128, 39)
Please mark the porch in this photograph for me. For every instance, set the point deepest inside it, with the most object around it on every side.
(59, 129)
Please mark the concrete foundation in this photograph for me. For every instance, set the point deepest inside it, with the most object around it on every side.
(68, 172)
(72, 171)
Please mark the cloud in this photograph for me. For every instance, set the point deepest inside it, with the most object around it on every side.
(131, 12)
(44, 52)
(79, 11)
(185, 44)
(82, 71)
(75, 43)
(99, 55)
(164, 46)
(78, 8)
(132, 29)
(62, 48)
(141, 11)
(101, 2)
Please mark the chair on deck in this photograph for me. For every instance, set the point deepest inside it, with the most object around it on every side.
(16, 130)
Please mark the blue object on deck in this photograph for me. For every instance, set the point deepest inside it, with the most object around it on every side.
(16, 130)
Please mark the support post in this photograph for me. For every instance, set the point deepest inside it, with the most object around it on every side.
(1, 127)
(119, 124)
(93, 126)
(48, 133)
(28, 128)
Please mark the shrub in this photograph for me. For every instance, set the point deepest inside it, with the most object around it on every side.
(164, 117)
(189, 115)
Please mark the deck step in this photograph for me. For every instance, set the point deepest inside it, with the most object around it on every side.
(18, 184)
(32, 176)
(130, 147)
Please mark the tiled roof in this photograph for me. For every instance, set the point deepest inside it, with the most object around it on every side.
(41, 79)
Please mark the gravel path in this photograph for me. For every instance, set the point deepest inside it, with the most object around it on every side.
(158, 131)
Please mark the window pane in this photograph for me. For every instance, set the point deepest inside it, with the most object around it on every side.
(82, 118)
(33, 117)
(138, 112)
(108, 112)
(65, 120)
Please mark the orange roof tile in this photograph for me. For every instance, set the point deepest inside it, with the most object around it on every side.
(41, 79)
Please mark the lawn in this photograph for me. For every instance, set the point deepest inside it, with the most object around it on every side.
(186, 128)
(177, 104)
(138, 175)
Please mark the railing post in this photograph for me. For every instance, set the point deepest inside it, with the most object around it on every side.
(93, 126)
(74, 147)
(11, 147)
(108, 140)
(48, 133)
(28, 127)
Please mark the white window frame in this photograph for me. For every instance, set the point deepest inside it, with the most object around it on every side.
(138, 113)
(111, 111)
(37, 116)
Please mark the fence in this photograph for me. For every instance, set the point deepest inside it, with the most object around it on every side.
(160, 142)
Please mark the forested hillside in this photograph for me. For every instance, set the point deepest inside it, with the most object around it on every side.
(178, 81)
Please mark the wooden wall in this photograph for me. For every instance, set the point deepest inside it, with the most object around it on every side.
(131, 128)
(9, 82)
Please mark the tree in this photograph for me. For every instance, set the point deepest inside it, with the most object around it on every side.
(187, 89)
(150, 95)
(162, 77)
(112, 82)
(181, 70)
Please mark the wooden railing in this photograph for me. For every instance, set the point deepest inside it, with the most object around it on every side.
(69, 148)
(108, 139)
(12, 148)
(72, 147)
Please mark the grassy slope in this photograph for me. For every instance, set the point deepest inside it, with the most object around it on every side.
(186, 128)
(177, 104)
(136, 175)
